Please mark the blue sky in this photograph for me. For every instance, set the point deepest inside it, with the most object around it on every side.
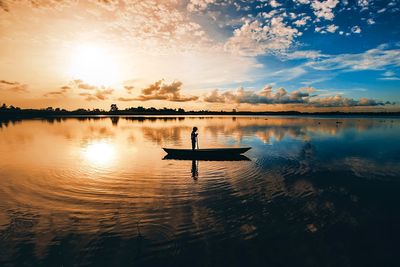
(358, 27)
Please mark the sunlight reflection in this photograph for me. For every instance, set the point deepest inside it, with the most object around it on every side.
(100, 153)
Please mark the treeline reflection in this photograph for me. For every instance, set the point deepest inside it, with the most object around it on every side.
(161, 129)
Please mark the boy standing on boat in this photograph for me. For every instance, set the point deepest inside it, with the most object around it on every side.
(193, 136)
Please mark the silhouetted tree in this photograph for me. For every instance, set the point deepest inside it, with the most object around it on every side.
(113, 108)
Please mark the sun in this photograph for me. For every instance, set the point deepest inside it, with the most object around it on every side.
(94, 64)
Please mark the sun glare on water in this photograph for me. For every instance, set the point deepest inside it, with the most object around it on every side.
(94, 64)
(100, 153)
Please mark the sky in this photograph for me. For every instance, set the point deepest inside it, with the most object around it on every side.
(305, 55)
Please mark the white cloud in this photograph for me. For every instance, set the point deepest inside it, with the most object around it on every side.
(356, 29)
(370, 21)
(302, 22)
(324, 9)
(390, 79)
(274, 3)
(305, 54)
(363, 3)
(302, 1)
(254, 38)
(389, 73)
(373, 59)
(332, 28)
(382, 10)
(389, 76)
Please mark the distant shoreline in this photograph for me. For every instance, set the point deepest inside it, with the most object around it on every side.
(24, 114)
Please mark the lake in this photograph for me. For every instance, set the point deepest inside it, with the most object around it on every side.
(312, 191)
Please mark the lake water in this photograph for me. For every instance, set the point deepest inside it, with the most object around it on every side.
(97, 191)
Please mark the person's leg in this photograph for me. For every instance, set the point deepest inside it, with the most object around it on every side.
(193, 145)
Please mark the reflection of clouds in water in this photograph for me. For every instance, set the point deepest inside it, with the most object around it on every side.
(279, 128)
(368, 168)
(160, 135)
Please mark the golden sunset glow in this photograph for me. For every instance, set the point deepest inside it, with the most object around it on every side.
(94, 64)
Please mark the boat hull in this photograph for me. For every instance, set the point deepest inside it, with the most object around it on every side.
(232, 157)
(212, 152)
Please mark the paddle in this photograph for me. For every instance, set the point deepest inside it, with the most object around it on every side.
(197, 142)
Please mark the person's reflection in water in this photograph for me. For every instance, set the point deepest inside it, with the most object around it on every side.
(195, 172)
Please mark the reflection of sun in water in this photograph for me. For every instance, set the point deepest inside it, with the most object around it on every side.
(94, 64)
(100, 153)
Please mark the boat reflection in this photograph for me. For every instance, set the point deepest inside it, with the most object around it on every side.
(196, 158)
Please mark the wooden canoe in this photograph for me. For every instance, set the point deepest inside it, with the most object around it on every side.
(207, 151)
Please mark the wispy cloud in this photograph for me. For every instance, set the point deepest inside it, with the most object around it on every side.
(61, 92)
(373, 59)
(13, 86)
(129, 88)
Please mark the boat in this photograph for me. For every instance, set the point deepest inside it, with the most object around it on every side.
(204, 152)
(229, 157)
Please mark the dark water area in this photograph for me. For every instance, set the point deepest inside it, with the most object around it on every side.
(98, 192)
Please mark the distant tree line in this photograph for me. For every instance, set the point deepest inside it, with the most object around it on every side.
(16, 112)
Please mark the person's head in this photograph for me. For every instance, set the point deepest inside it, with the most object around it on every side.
(194, 129)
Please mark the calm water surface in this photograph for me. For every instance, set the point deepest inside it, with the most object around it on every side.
(97, 191)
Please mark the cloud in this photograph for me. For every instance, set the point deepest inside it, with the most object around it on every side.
(302, 1)
(199, 5)
(332, 28)
(265, 96)
(373, 59)
(304, 54)
(15, 87)
(61, 92)
(162, 91)
(100, 94)
(304, 96)
(274, 3)
(363, 3)
(389, 76)
(356, 29)
(95, 92)
(255, 38)
(127, 99)
(340, 101)
(324, 9)
(302, 22)
(370, 21)
(86, 86)
(389, 73)
(129, 88)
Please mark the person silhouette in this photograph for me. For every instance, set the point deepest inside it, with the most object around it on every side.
(193, 137)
